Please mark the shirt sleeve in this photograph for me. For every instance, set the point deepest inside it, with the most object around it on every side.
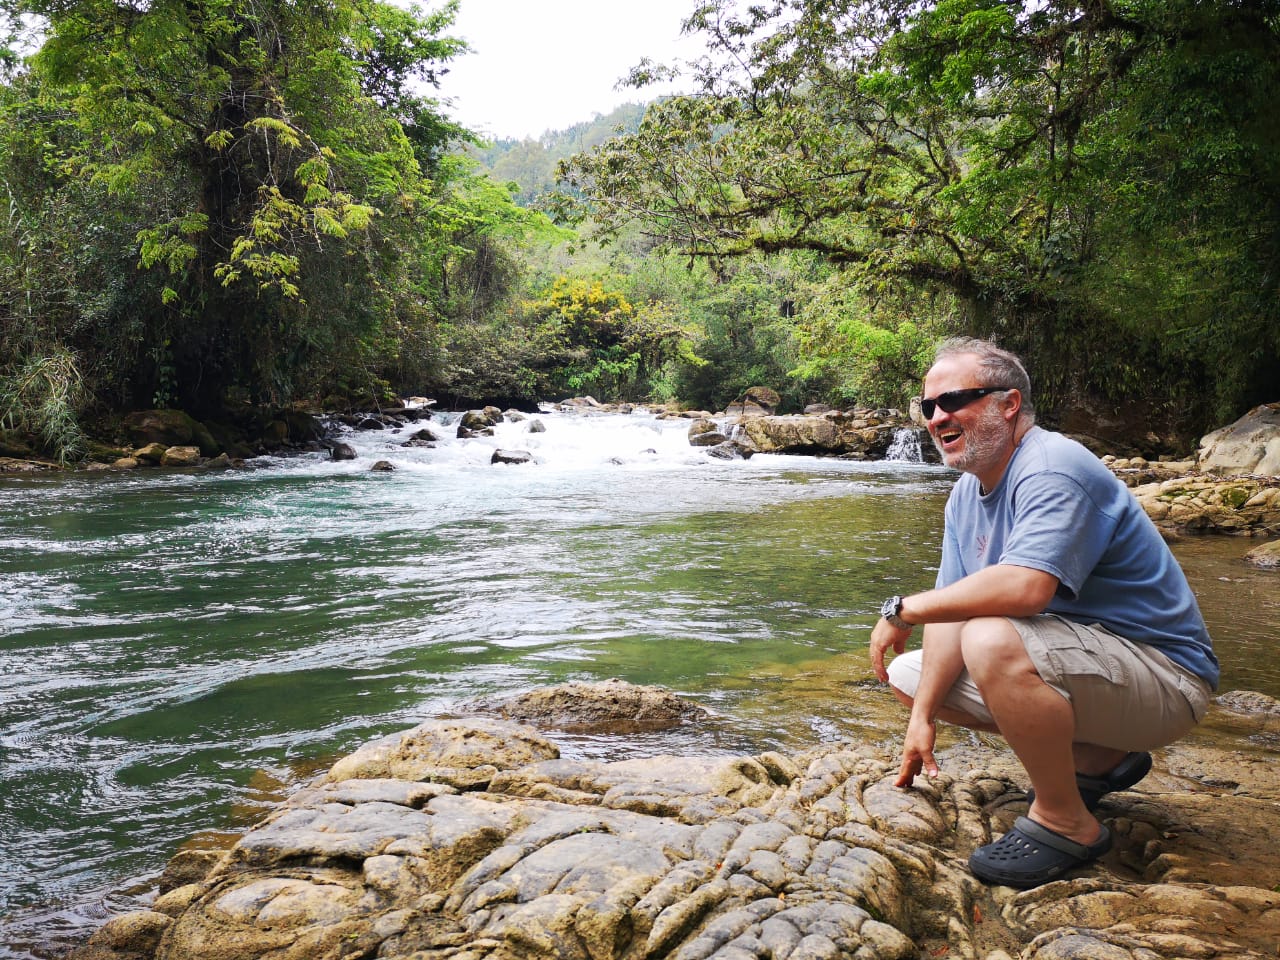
(1058, 528)
(951, 567)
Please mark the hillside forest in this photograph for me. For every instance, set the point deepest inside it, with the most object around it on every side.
(222, 205)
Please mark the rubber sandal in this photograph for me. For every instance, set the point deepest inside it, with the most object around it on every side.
(1031, 854)
(1122, 776)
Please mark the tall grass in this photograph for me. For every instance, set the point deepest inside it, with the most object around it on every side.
(42, 396)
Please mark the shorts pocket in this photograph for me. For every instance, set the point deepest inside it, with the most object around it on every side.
(1077, 652)
(1197, 693)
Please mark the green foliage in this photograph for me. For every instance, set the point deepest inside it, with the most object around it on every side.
(42, 395)
(1093, 184)
(745, 334)
(869, 358)
(261, 170)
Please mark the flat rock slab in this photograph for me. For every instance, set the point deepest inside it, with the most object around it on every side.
(403, 852)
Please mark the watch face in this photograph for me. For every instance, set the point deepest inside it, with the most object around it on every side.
(889, 608)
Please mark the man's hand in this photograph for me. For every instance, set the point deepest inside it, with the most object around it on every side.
(917, 751)
(884, 636)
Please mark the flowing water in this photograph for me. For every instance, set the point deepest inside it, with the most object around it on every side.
(178, 648)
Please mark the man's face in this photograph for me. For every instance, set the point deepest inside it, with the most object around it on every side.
(977, 437)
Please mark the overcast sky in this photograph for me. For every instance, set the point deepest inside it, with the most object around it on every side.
(541, 65)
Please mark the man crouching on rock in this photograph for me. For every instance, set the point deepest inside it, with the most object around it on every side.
(1060, 619)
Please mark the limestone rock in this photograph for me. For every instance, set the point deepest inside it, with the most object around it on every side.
(1204, 504)
(467, 751)
(755, 402)
(511, 456)
(1251, 445)
(180, 457)
(342, 451)
(858, 434)
(397, 853)
(170, 428)
(426, 435)
(1267, 555)
(731, 450)
(609, 706)
(708, 438)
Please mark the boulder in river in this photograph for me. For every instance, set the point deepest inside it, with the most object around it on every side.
(171, 428)
(180, 457)
(1251, 445)
(511, 456)
(342, 451)
(857, 434)
(611, 706)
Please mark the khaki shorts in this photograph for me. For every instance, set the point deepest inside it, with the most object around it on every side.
(1126, 695)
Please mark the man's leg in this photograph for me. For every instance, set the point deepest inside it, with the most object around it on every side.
(965, 707)
(1037, 721)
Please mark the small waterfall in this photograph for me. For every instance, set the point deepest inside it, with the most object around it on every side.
(905, 447)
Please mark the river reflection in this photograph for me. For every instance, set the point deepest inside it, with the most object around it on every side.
(177, 649)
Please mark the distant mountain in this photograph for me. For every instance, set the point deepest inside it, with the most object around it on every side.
(532, 163)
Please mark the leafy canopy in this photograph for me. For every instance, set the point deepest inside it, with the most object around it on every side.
(1094, 183)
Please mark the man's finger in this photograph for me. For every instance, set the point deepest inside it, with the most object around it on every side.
(877, 661)
(907, 774)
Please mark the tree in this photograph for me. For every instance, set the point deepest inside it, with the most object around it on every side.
(273, 162)
(1008, 169)
(589, 338)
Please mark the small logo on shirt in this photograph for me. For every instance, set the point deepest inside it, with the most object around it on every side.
(983, 542)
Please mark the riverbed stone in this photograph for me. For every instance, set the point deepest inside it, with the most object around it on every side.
(180, 457)
(1266, 555)
(511, 456)
(1200, 503)
(169, 428)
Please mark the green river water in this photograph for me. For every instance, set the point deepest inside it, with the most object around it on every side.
(177, 649)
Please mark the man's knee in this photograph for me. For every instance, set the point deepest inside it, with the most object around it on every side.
(991, 644)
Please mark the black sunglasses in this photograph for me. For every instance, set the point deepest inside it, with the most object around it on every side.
(953, 400)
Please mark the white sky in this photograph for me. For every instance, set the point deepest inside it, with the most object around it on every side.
(539, 65)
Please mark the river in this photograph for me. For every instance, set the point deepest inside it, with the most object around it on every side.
(180, 648)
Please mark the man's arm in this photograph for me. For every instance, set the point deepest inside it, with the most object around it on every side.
(1003, 590)
(940, 665)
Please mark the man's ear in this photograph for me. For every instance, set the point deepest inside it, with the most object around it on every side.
(1014, 399)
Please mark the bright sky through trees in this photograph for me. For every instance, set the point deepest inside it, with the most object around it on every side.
(542, 65)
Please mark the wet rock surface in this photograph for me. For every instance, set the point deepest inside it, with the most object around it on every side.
(610, 706)
(473, 838)
(1200, 503)
(858, 434)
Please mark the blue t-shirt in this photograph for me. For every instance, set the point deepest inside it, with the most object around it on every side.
(1059, 509)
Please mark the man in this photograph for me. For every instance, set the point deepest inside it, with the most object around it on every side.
(1060, 619)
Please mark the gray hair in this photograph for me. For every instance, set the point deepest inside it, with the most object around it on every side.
(1001, 367)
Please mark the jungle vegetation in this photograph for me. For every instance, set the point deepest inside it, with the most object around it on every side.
(211, 203)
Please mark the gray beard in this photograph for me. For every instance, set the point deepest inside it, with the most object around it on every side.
(983, 442)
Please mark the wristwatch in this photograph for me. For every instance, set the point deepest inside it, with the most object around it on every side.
(890, 610)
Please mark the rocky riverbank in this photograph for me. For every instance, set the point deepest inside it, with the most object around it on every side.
(1231, 486)
(470, 838)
